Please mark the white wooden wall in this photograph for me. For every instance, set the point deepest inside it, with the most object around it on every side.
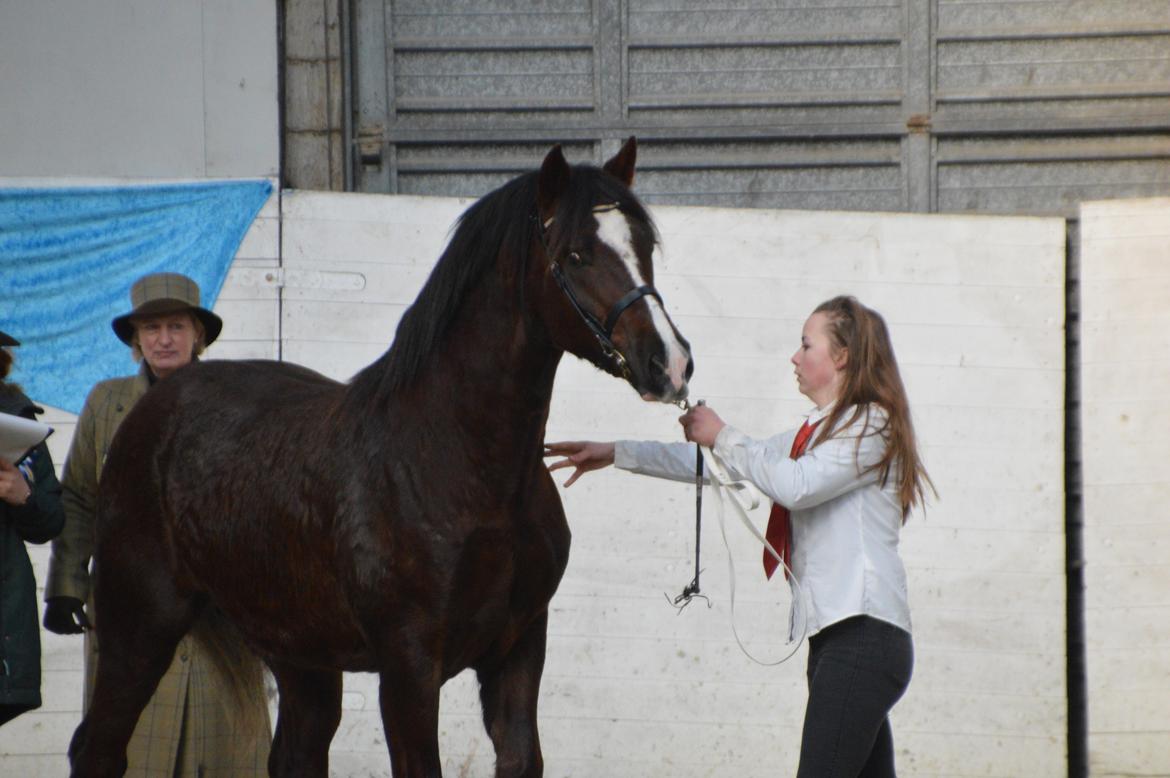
(1125, 380)
(632, 689)
(975, 305)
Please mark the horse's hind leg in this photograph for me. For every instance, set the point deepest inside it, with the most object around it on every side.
(310, 710)
(509, 691)
(140, 617)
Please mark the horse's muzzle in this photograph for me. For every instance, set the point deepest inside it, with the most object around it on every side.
(666, 374)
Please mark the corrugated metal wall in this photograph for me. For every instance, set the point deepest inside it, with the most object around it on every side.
(917, 105)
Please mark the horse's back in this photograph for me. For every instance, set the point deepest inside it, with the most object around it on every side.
(219, 426)
(224, 468)
(225, 380)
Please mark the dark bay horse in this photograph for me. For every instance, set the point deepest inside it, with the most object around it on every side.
(403, 523)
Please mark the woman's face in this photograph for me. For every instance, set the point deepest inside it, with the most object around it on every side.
(167, 342)
(819, 371)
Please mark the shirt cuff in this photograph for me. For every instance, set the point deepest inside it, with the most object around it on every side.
(624, 456)
(728, 438)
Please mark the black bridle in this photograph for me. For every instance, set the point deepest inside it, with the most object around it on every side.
(602, 330)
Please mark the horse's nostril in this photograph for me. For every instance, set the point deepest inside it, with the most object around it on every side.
(690, 368)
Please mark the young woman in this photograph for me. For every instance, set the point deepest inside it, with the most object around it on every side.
(842, 487)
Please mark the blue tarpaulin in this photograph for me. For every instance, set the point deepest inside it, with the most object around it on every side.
(69, 256)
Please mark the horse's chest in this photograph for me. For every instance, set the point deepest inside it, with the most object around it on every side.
(505, 580)
(522, 564)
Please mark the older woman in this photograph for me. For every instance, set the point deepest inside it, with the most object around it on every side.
(30, 512)
(192, 726)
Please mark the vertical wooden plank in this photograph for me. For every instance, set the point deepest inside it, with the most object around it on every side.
(1125, 377)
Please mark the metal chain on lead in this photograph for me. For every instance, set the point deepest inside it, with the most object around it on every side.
(691, 590)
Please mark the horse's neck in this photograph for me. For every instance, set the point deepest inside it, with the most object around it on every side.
(500, 368)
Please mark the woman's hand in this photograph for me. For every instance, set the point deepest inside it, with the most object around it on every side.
(585, 455)
(701, 425)
(14, 490)
(66, 616)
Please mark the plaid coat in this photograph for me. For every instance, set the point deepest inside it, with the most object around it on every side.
(185, 730)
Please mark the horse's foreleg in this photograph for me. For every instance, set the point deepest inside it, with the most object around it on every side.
(409, 696)
(309, 712)
(509, 692)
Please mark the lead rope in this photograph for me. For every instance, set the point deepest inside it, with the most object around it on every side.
(691, 590)
(740, 493)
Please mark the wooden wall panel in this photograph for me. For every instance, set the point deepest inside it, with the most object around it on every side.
(975, 305)
(1125, 375)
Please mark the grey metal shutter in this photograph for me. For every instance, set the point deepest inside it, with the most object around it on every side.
(921, 105)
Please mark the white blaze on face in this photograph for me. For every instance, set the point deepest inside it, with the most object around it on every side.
(614, 231)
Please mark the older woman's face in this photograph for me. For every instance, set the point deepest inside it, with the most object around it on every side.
(167, 342)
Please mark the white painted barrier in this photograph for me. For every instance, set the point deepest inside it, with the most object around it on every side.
(632, 689)
(1125, 380)
(975, 305)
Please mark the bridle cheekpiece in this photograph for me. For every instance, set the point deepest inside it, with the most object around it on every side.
(602, 330)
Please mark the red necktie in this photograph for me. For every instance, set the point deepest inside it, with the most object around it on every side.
(779, 532)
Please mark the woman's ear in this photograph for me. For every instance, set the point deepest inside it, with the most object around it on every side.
(841, 358)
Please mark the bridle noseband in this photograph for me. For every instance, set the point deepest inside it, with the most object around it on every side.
(603, 331)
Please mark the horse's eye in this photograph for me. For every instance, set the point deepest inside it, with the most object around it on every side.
(575, 259)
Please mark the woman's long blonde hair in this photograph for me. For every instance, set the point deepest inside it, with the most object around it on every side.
(872, 377)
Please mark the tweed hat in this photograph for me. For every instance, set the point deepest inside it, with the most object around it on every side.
(158, 294)
(8, 340)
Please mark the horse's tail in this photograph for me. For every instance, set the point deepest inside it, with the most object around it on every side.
(240, 671)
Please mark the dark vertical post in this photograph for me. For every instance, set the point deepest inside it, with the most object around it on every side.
(349, 155)
(1078, 718)
(370, 73)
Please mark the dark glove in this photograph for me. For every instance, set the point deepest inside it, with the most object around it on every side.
(66, 616)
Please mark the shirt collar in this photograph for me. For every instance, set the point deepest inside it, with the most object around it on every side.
(814, 415)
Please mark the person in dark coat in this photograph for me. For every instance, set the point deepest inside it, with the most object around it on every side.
(30, 512)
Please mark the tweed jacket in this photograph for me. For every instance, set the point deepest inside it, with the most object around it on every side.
(107, 404)
(190, 707)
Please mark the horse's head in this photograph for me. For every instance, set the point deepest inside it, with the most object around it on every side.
(598, 294)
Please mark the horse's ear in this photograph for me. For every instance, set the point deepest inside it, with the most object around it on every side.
(621, 166)
(552, 182)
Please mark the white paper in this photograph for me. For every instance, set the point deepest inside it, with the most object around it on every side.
(19, 435)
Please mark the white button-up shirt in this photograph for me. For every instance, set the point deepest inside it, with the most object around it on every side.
(845, 524)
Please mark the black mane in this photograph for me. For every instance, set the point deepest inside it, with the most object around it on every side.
(502, 222)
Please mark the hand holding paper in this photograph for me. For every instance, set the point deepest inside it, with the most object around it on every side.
(19, 436)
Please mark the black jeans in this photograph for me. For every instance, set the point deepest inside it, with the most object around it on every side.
(857, 669)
